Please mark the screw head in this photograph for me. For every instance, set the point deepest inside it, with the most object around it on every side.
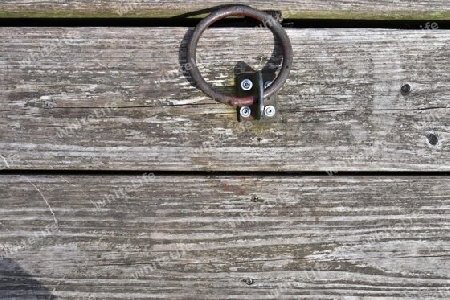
(246, 84)
(245, 111)
(269, 111)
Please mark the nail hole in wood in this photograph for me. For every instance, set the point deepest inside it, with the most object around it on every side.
(248, 281)
(432, 139)
(256, 199)
(405, 89)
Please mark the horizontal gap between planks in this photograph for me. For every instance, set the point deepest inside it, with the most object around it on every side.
(233, 23)
(224, 173)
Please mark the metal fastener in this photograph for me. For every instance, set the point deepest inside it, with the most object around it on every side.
(262, 17)
(245, 111)
(246, 84)
(269, 111)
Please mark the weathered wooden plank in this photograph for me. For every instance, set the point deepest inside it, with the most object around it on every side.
(158, 237)
(342, 9)
(116, 99)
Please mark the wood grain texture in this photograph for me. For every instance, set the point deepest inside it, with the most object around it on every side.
(157, 237)
(116, 99)
(342, 9)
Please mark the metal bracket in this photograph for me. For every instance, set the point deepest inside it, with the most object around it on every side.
(288, 56)
(253, 84)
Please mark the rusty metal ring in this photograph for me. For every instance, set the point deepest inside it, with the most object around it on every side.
(264, 18)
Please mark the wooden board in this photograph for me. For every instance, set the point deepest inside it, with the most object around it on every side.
(158, 237)
(342, 9)
(116, 99)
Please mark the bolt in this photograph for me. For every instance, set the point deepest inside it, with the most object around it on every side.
(269, 111)
(245, 111)
(246, 84)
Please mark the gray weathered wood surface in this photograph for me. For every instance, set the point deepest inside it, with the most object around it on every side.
(341, 9)
(171, 237)
(115, 99)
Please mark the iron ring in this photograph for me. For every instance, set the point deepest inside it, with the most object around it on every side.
(239, 10)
